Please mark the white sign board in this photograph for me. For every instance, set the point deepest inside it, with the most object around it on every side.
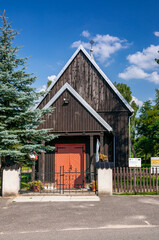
(134, 162)
(154, 164)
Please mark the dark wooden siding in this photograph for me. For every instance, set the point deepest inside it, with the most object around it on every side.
(72, 117)
(86, 80)
(119, 123)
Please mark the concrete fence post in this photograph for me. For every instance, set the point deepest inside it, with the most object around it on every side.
(10, 182)
(105, 185)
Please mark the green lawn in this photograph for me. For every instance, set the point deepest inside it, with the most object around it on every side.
(26, 168)
(139, 193)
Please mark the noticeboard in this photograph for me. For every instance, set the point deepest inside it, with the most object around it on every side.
(135, 162)
(154, 164)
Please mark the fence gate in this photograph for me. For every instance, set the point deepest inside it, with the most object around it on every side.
(62, 182)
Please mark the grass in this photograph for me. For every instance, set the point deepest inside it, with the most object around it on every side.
(26, 168)
(140, 193)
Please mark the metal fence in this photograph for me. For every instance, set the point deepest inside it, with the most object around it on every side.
(62, 182)
(0, 182)
(135, 180)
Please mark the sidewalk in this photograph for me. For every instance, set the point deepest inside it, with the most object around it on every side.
(56, 199)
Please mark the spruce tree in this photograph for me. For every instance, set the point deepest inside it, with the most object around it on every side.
(19, 121)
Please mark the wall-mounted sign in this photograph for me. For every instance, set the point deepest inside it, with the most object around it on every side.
(154, 164)
(134, 162)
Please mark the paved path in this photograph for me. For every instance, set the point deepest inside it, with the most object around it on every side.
(56, 199)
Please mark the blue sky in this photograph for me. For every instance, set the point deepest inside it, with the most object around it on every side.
(126, 35)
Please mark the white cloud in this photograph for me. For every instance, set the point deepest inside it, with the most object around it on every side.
(51, 78)
(133, 72)
(76, 44)
(145, 59)
(104, 46)
(137, 101)
(85, 33)
(156, 34)
(42, 89)
(154, 77)
(143, 65)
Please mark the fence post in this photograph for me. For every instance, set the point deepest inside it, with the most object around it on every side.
(130, 180)
(117, 179)
(137, 184)
(156, 181)
(11, 181)
(121, 179)
(114, 175)
(124, 178)
(140, 180)
(105, 184)
(147, 180)
(143, 179)
(127, 178)
(153, 179)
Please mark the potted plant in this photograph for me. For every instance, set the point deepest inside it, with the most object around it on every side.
(103, 161)
(93, 186)
(36, 186)
(103, 157)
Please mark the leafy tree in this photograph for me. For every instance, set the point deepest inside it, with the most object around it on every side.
(147, 142)
(49, 83)
(157, 99)
(19, 133)
(125, 91)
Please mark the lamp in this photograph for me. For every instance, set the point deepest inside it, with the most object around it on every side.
(65, 100)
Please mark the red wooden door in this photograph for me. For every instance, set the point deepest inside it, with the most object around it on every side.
(72, 158)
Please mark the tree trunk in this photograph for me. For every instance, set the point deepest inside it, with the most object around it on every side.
(133, 150)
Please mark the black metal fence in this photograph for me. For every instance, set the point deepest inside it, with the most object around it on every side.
(62, 182)
(0, 182)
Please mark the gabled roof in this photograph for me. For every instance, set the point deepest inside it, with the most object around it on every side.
(81, 48)
(66, 86)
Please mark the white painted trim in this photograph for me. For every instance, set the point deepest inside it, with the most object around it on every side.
(81, 48)
(66, 86)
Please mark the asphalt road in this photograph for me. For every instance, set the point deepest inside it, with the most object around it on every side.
(116, 217)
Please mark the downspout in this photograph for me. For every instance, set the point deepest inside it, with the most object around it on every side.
(114, 148)
(130, 136)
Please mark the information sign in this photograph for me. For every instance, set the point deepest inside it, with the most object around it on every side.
(134, 162)
(154, 164)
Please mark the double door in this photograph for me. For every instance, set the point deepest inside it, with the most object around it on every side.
(70, 165)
